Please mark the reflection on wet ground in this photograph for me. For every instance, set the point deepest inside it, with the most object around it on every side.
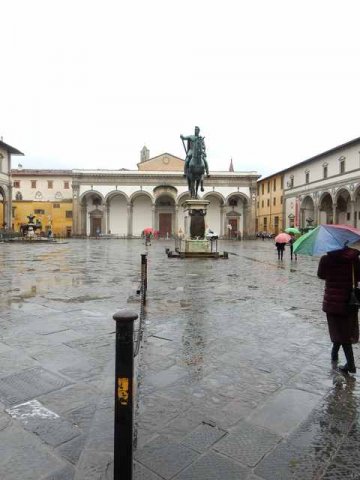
(234, 375)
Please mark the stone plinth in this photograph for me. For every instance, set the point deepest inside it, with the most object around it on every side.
(195, 246)
(194, 212)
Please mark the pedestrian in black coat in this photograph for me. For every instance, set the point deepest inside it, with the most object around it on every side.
(337, 268)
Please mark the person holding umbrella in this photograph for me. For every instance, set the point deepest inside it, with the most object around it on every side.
(338, 268)
(280, 241)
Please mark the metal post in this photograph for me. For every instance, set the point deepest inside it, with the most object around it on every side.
(124, 372)
(144, 274)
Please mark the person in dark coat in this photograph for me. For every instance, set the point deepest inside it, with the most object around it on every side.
(280, 247)
(336, 268)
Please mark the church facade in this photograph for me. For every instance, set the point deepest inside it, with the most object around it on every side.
(124, 202)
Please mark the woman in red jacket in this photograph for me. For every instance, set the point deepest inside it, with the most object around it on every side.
(336, 268)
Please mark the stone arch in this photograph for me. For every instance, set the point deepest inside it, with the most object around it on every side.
(141, 212)
(326, 208)
(214, 215)
(236, 215)
(139, 193)
(114, 193)
(165, 215)
(117, 211)
(182, 197)
(217, 195)
(307, 211)
(342, 204)
(89, 193)
(92, 217)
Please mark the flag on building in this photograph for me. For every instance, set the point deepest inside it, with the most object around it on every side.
(231, 168)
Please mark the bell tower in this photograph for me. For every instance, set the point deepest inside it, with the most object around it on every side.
(144, 154)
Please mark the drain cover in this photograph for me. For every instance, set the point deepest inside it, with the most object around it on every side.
(29, 384)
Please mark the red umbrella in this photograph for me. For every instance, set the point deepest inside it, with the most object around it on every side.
(148, 230)
(282, 238)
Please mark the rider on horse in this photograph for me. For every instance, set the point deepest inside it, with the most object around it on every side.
(196, 143)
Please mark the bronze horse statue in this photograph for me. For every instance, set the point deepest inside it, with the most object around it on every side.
(196, 171)
(195, 162)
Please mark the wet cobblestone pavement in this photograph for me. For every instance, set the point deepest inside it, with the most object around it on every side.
(234, 375)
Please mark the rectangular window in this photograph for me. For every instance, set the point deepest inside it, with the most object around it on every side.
(16, 183)
(68, 214)
(347, 215)
(258, 189)
(291, 182)
(276, 221)
(265, 223)
(56, 205)
(66, 185)
(307, 177)
(342, 166)
(281, 200)
(39, 211)
(50, 184)
(268, 202)
(262, 203)
(33, 183)
(274, 201)
(262, 188)
(268, 187)
(325, 172)
(274, 185)
(282, 183)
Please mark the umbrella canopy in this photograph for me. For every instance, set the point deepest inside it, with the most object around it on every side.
(326, 238)
(293, 230)
(148, 230)
(282, 238)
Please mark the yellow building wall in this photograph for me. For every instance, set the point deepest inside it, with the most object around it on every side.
(270, 211)
(54, 215)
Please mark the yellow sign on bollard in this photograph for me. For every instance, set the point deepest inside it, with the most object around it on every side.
(123, 390)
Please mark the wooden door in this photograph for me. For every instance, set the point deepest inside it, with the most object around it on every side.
(234, 223)
(165, 224)
(95, 226)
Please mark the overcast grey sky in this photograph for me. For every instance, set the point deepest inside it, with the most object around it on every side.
(86, 84)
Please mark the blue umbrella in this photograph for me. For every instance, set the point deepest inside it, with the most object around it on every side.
(326, 238)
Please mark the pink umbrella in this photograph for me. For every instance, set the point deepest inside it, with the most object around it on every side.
(282, 238)
(148, 230)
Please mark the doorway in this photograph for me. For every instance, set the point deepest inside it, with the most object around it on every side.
(234, 227)
(165, 224)
(95, 226)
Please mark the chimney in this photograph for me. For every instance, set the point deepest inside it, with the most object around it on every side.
(231, 167)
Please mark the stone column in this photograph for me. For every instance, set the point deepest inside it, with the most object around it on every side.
(76, 220)
(334, 214)
(108, 218)
(251, 215)
(9, 208)
(176, 220)
(130, 219)
(352, 213)
(84, 219)
(104, 219)
(153, 218)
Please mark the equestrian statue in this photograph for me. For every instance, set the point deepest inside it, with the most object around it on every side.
(195, 162)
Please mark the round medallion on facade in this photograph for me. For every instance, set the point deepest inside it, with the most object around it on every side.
(166, 160)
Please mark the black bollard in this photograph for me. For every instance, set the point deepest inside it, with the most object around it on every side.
(124, 373)
(144, 274)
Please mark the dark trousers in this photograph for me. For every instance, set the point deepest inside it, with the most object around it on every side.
(348, 351)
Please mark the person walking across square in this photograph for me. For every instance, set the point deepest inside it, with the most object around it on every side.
(340, 269)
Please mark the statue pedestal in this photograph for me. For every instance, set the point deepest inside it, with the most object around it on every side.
(194, 244)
